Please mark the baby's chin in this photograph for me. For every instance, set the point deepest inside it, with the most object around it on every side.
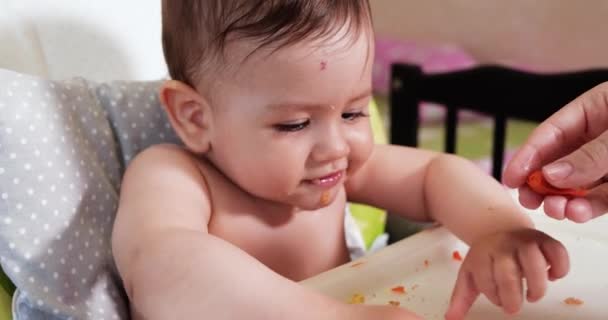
(305, 201)
(314, 203)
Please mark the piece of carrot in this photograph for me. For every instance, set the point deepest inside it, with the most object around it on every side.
(571, 301)
(456, 255)
(538, 184)
(399, 290)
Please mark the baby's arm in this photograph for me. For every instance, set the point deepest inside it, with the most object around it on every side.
(504, 245)
(425, 185)
(172, 268)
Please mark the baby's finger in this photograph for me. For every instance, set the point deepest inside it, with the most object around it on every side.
(463, 296)
(534, 267)
(529, 199)
(508, 279)
(557, 257)
(555, 207)
(484, 280)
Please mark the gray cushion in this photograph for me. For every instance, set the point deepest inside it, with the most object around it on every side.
(64, 146)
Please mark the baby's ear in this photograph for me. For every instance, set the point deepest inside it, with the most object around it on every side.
(189, 114)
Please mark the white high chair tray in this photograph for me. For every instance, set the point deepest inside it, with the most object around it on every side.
(428, 286)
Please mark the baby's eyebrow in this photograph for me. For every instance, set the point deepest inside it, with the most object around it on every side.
(365, 94)
(299, 105)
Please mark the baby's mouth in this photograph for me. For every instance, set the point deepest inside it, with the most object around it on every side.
(327, 181)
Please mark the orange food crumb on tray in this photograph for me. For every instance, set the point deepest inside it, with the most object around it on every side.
(456, 255)
(572, 301)
(356, 264)
(357, 298)
(398, 289)
(394, 303)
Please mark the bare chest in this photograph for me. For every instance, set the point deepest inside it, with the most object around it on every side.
(296, 247)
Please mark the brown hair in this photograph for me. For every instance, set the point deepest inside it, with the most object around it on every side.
(195, 32)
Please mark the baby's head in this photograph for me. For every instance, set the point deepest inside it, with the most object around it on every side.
(274, 93)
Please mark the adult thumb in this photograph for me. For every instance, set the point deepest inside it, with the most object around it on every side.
(583, 167)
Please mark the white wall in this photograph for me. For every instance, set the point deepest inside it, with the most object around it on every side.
(100, 40)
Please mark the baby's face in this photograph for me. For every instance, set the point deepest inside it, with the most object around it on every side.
(291, 126)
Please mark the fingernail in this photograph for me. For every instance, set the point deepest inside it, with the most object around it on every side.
(527, 157)
(558, 171)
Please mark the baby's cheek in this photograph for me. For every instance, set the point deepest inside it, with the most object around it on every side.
(361, 149)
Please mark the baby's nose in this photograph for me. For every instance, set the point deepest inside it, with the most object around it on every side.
(331, 147)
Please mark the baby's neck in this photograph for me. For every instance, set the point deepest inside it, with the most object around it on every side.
(272, 209)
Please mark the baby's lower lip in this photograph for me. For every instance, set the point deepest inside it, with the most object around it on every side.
(327, 181)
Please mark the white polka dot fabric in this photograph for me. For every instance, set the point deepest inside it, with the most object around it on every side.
(63, 148)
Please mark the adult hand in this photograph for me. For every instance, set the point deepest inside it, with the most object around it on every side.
(571, 147)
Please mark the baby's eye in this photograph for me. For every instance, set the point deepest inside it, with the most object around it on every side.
(292, 127)
(353, 115)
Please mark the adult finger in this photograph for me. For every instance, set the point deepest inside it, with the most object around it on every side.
(598, 199)
(579, 121)
(584, 166)
(578, 210)
(529, 199)
(555, 207)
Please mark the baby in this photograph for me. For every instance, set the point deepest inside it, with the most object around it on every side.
(270, 99)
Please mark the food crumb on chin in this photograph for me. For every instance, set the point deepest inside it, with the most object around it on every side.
(325, 198)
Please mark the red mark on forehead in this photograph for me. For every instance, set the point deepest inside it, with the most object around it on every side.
(323, 65)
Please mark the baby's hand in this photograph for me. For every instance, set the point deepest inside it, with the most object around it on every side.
(496, 265)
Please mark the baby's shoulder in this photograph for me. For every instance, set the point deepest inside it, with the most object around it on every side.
(165, 164)
(163, 156)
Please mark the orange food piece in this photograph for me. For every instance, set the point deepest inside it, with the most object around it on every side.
(394, 303)
(426, 263)
(325, 198)
(456, 255)
(538, 184)
(357, 298)
(398, 289)
(354, 265)
(571, 301)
